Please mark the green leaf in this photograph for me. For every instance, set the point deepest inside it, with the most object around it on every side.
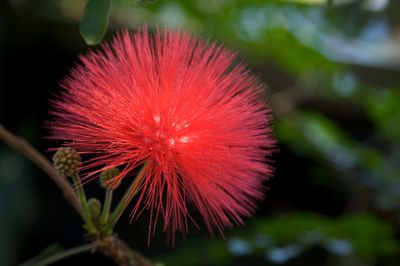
(94, 21)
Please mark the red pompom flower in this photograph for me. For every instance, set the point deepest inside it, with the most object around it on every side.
(182, 108)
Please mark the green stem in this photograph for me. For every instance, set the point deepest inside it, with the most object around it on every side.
(85, 207)
(107, 206)
(125, 200)
(65, 254)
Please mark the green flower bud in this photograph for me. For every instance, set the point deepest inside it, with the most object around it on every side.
(94, 209)
(67, 161)
(106, 178)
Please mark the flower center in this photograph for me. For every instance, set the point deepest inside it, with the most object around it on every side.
(161, 137)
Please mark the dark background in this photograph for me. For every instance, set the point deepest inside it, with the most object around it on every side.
(333, 77)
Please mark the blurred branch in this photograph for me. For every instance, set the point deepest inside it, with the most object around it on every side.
(65, 254)
(120, 252)
(112, 246)
(43, 163)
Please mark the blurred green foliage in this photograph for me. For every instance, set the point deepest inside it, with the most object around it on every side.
(282, 238)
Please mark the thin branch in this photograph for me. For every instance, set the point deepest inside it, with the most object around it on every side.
(130, 192)
(43, 163)
(112, 246)
(121, 253)
(66, 254)
(107, 207)
(80, 192)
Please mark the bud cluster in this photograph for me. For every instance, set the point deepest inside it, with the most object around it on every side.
(67, 161)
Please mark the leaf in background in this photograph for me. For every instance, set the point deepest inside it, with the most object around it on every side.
(384, 109)
(144, 2)
(94, 21)
(283, 237)
(361, 234)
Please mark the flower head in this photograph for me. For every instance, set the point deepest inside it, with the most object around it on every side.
(184, 109)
